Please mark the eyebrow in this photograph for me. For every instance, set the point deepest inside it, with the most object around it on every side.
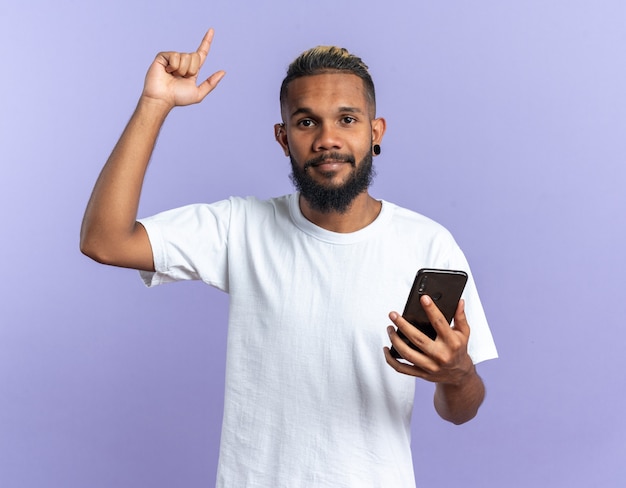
(309, 111)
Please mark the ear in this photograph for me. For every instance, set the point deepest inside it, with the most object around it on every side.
(379, 126)
(280, 133)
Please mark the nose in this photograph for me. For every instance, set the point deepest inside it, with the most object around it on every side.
(328, 138)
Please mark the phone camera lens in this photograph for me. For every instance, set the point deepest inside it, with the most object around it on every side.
(422, 286)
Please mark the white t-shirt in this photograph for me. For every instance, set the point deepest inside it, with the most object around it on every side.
(310, 400)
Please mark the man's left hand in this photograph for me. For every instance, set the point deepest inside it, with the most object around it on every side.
(443, 360)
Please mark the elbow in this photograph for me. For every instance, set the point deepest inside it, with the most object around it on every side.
(110, 248)
(87, 242)
(459, 404)
(460, 419)
(98, 243)
(91, 251)
(92, 247)
(457, 415)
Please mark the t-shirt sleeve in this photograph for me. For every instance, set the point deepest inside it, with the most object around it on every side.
(190, 243)
(481, 346)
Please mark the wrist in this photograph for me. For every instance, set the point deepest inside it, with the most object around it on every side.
(155, 106)
(463, 378)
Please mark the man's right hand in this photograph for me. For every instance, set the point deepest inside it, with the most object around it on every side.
(172, 77)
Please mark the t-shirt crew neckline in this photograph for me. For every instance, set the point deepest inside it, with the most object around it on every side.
(322, 234)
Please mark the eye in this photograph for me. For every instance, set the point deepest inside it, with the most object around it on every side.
(306, 123)
(348, 120)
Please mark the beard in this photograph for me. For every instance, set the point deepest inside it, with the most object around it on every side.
(325, 198)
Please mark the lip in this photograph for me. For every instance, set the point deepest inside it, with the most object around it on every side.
(330, 165)
(330, 162)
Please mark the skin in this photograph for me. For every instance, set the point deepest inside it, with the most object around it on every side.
(322, 114)
(330, 113)
(110, 233)
(459, 390)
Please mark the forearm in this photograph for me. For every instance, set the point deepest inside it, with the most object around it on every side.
(458, 403)
(110, 217)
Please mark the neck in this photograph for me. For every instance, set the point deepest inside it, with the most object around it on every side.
(362, 212)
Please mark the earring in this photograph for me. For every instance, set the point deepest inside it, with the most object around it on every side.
(376, 149)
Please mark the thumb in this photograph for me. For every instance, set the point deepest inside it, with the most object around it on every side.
(209, 84)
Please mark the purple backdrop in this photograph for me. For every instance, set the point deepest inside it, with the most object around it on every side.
(506, 122)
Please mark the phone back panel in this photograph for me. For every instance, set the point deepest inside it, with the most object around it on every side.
(445, 287)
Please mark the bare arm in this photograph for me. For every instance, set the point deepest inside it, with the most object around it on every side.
(459, 390)
(109, 232)
(459, 403)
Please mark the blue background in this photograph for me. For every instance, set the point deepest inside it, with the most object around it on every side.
(506, 123)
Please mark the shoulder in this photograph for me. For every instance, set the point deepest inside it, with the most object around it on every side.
(258, 208)
(221, 211)
(407, 220)
(234, 205)
(254, 203)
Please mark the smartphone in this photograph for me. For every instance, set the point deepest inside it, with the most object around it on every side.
(445, 287)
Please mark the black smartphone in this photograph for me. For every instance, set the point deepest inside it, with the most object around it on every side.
(445, 287)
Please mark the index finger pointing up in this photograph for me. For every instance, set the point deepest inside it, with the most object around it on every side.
(205, 45)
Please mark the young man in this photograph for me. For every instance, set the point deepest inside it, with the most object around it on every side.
(313, 396)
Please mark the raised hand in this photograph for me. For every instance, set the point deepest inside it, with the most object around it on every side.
(173, 76)
(110, 233)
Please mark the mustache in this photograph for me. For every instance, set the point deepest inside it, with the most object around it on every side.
(324, 157)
